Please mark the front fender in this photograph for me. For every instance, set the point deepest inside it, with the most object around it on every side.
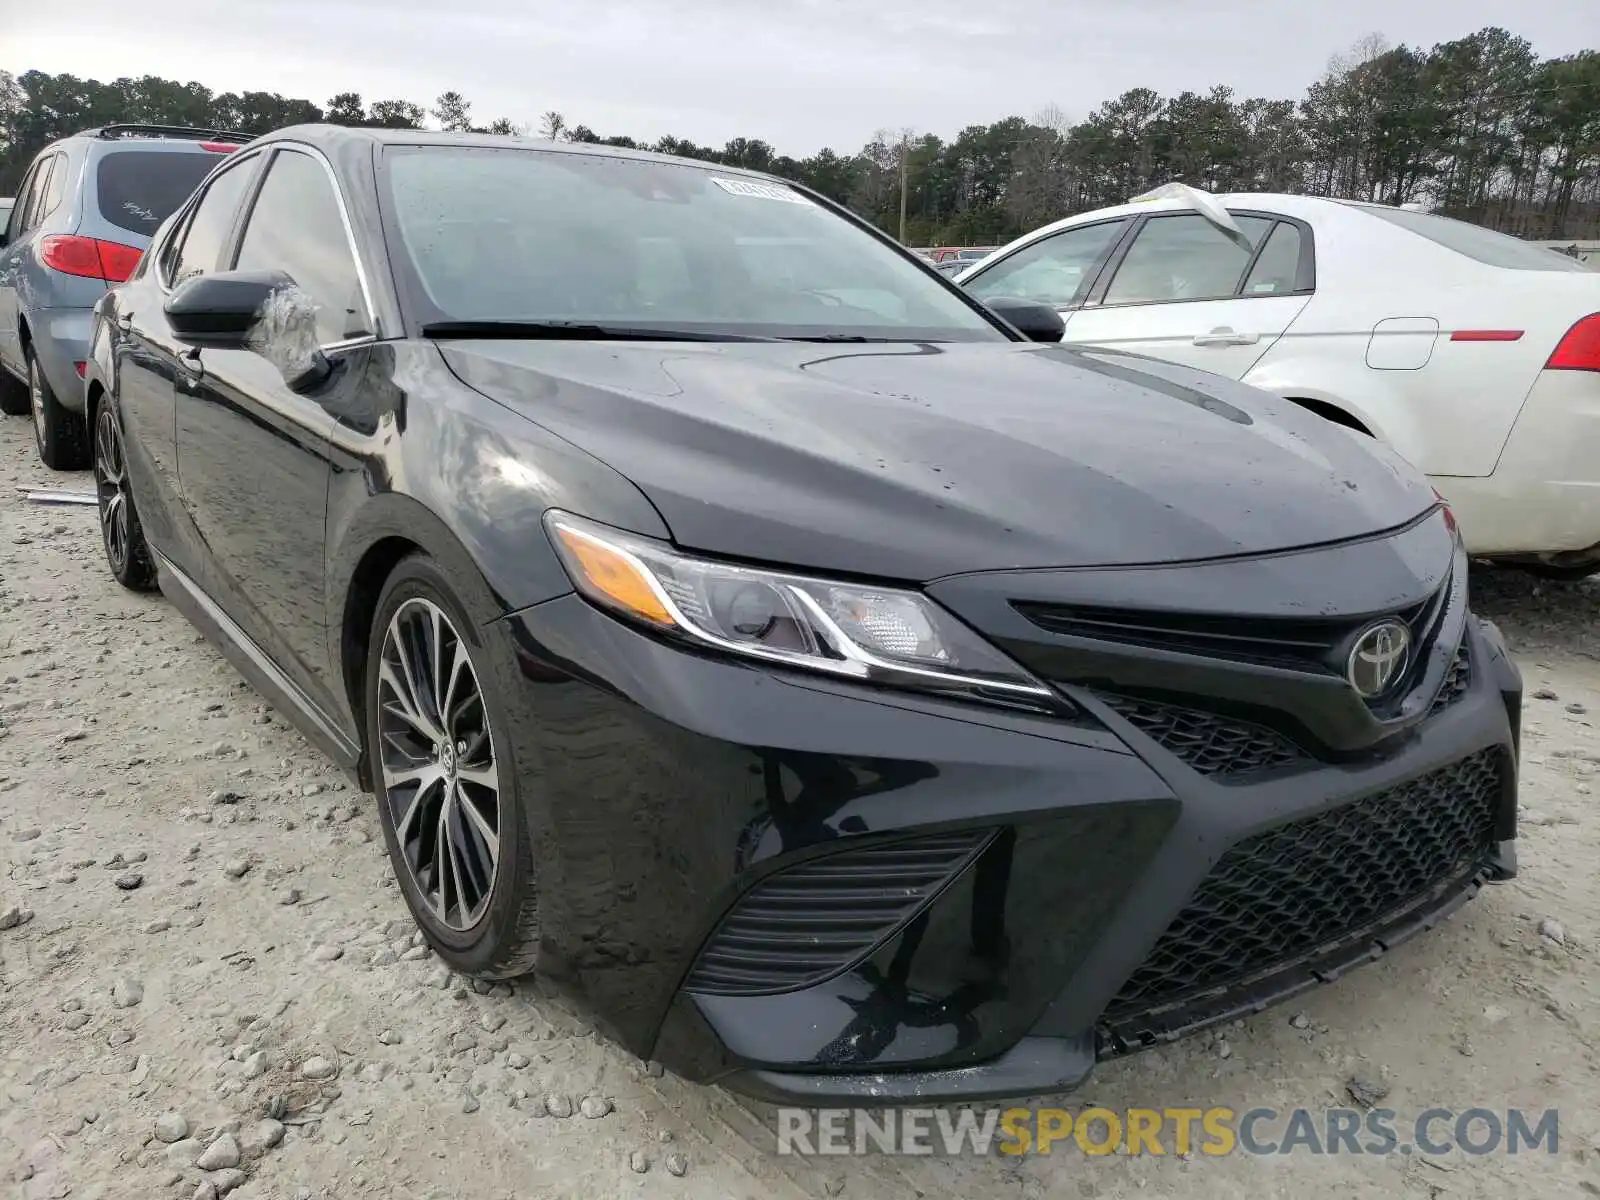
(421, 460)
(390, 517)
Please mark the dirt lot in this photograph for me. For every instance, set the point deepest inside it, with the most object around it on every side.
(213, 923)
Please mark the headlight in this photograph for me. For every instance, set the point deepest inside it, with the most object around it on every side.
(874, 634)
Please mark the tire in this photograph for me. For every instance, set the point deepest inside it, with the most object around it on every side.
(489, 930)
(121, 534)
(13, 395)
(60, 433)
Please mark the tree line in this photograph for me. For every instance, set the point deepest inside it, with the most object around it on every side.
(1479, 128)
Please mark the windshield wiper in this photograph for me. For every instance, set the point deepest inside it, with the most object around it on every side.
(842, 337)
(579, 331)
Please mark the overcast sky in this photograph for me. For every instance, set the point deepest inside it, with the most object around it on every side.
(799, 73)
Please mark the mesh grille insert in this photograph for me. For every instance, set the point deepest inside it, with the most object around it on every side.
(1211, 744)
(1289, 891)
(805, 924)
(1456, 680)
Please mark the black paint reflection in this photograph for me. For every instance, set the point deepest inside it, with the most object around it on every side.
(893, 1005)
(976, 969)
(799, 817)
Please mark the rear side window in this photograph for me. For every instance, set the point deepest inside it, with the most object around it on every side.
(56, 187)
(1477, 243)
(139, 189)
(1277, 267)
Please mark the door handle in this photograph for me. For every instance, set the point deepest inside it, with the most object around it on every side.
(1223, 336)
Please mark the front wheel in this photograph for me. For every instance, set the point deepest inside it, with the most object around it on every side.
(127, 553)
(445, 778)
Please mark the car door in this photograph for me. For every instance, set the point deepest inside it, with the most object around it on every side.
(14, 257)
(1057, 269)
(253, 455)
(1184, 289)
(150, 360)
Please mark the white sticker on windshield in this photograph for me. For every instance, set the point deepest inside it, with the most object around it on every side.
(758, 190)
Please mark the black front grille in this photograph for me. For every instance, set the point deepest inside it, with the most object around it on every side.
(1283, 894)
(1297, 643)
(803, 925)
(1318, 645)
(1211, 744)
(1456, 680)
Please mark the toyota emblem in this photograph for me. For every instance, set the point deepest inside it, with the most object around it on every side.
(1379, 657)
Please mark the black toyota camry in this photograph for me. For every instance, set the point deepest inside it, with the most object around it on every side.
(847, 691)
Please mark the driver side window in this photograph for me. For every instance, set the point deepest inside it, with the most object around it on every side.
(296, 226)
(1055, 270)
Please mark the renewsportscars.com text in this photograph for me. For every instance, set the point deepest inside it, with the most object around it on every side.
(1156, 1131)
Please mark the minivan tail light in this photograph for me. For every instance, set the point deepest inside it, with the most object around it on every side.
(118, 262)
(89, 258)
(219, 147)
(71, 256)
(1579, 350)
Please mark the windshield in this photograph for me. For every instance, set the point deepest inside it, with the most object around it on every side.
(1476, 242)
(140, 189)
(489, 234)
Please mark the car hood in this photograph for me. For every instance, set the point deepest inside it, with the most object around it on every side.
(916, 461)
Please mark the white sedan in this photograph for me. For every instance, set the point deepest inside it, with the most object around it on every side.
(1475, 355)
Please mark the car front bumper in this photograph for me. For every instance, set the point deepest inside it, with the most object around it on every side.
(819, 892)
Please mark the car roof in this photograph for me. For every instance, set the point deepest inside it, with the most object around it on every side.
(1286, 203)
(338, 138)
(1280, 203)
(162, 138)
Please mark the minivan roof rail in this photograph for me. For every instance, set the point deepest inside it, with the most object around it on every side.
(111, 132)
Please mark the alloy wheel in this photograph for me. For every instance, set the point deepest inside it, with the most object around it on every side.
(437, 762)
(111, 485)
(36, 398)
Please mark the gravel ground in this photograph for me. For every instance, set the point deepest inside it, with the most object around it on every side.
(209, 984)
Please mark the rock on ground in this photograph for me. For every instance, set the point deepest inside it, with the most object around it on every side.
(224, 1152)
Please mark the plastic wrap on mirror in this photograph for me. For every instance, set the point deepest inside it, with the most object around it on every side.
(285, 333)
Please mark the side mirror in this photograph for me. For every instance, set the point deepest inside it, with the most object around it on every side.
(263, 311)
(1036, 322)
(221, 311)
